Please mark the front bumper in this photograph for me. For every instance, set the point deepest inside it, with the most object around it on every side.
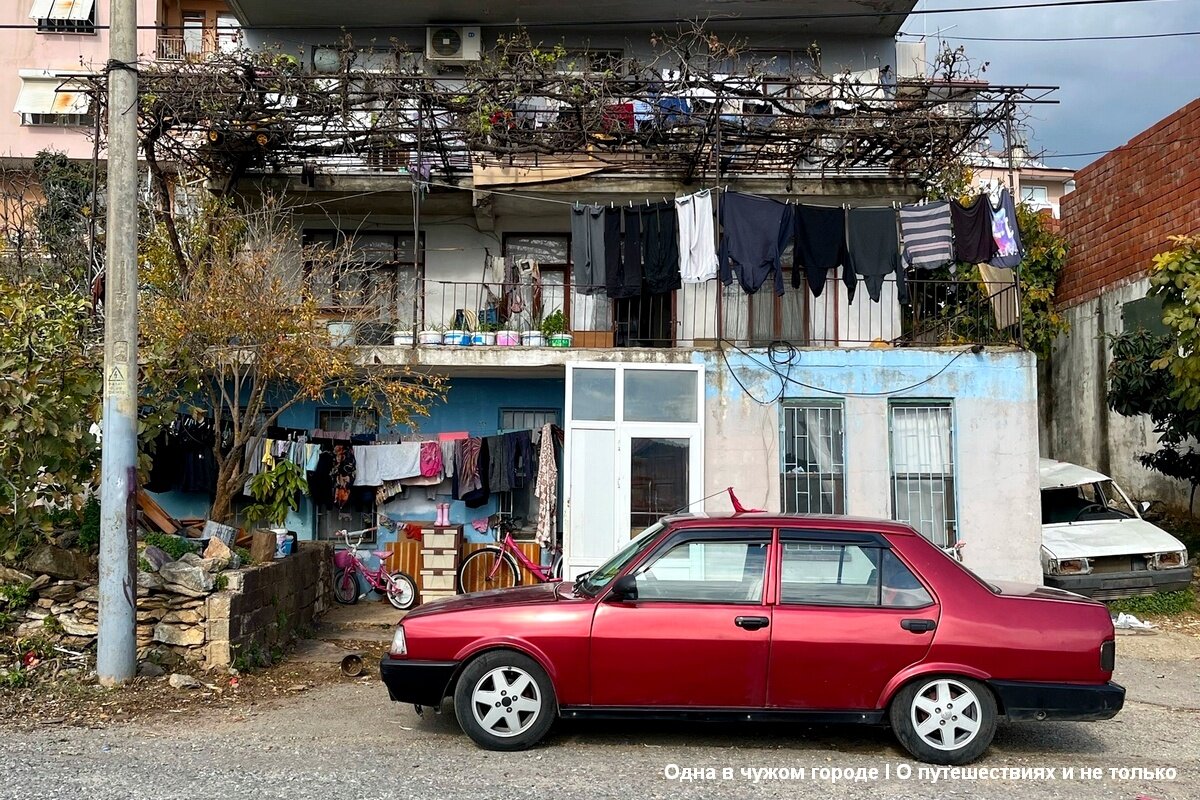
(1115, 585)
(420, 683)
(1023, 700)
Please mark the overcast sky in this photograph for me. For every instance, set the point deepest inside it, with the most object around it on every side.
(1111, 90)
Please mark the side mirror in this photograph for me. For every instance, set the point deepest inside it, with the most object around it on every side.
(1144, 506)
(624, 588)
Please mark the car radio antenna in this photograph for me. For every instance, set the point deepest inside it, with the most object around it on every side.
(738, 508)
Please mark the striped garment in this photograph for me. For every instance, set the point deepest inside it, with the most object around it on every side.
(928, 238)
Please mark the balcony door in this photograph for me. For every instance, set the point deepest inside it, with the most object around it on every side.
(634, 453)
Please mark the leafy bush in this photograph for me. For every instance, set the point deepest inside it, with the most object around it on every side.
(89, 529)
(15, 595)
(173, 546)
(1166, 604)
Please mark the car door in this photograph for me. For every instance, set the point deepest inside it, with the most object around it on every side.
(698, 633)
(850, 615)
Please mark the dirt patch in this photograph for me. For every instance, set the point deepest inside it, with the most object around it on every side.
(1161, 644)
(75, 699)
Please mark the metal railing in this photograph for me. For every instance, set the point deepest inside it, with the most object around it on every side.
(935, 312)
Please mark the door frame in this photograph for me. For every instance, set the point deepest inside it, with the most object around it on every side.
(624, 432)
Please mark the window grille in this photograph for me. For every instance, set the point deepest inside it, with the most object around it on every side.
(814, 459)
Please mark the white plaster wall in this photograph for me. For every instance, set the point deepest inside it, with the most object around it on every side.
(1077, 410)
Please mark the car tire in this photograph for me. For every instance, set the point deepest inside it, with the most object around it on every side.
(504, 700)
(944, 719)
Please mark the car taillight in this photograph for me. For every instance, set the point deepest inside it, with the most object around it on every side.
(1170, 560)
(1071, 566)
(399, 644)
(1108, 655)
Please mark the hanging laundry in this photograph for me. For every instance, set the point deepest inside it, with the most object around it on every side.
(342, 472)
(660, 248)
(612, 248)
(546, 488)
(1001, 287)
(874, 249)
(587, 247)
(754, 233)
(928, 234)
(819, 246)
(1005, 233)
(386, 462)
(626, 281)
(972, 225)
(697, 239)
(471, 480)
(320, 478)
(431, 459)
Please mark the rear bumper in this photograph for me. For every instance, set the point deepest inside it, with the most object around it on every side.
(421, 683)
(1114, 585)
(1022, 700)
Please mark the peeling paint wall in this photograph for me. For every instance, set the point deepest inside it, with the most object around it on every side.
(994, 400)
(1081, 428)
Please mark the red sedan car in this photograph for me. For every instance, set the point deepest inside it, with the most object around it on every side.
(764, 616)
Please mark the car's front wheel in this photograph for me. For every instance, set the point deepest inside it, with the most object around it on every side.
(944, 719)
(504, 701)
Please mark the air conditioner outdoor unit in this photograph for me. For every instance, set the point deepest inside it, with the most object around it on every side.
(453, 43)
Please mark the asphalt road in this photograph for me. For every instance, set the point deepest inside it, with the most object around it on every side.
(348, 741)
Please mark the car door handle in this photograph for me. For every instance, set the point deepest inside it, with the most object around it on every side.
(751, 623)
(918, 625)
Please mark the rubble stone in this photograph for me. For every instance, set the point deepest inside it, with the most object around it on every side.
(192, 578)
(187, 636)
(76, 628)
(180, 681)
(91, 594)
(156, 557)
(60, 563)
(10, 575)
(40, 581)
(148, 580)
(184, 617)
(148, 669)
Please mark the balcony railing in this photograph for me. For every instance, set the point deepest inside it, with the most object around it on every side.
(937, 312)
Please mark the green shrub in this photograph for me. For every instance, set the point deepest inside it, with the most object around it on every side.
(1161, 604)
(15, 595)
(173, 546)
(89, 528)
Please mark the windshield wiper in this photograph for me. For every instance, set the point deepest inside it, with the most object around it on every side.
(580, 579)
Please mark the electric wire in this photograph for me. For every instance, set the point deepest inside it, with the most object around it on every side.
(1114, 37)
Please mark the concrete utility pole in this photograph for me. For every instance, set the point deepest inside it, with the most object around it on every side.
(116, 657)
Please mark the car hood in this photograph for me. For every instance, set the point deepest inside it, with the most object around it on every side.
(521, 595)
(1110, 537)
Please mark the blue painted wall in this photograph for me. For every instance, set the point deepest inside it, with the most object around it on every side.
(473, 405)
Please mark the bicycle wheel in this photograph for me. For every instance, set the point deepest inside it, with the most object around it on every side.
(556, 567)
(402, 593)
(345, 587)
(475, 574)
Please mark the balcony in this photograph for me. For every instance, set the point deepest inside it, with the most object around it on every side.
(938, 312)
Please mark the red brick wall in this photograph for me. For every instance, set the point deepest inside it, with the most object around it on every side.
(1128, 202)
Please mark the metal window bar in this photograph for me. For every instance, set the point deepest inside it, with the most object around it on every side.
(814, 459)
(519, 503)
(922, 445)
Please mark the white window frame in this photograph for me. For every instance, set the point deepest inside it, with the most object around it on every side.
(926, 524)
(837, 467)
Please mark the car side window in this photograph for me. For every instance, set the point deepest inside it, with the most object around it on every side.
(833, 574)
(706, 571)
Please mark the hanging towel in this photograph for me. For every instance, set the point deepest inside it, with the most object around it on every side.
(1001, 288)
(819, 246)
(874, 248)
(972, 225)
(660, 248)
(587, 247)
(377, 463)
(928, 235)
(431, 459)
(449, 448)
(697, 239)
(546, 488)
(1005, 233)
(754, 233)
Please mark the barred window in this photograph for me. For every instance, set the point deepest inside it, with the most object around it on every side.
(814, 458)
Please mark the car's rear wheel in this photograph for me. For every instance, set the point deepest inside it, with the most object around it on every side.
(944, 719)
(504, 701)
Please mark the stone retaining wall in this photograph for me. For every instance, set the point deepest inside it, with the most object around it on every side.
(263, 607)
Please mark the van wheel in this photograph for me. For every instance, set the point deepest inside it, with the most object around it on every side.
(504, 701)
(944, 719)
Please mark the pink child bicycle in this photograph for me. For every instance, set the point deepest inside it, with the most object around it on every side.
(398, 587)
(499, 567)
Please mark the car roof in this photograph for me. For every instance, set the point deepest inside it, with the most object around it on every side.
(767, 519)
(1063, 474)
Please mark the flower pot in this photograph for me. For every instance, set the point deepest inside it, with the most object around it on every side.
(430, 337)
(533, 339)
(486, 338)
(455, 337)
(341, 333)
(508, 338)
(560, 340)
(402, 339)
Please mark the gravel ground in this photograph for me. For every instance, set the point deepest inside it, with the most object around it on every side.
(345, 740)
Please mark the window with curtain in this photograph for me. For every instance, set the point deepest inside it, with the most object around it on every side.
(813, 450)
(922, 445)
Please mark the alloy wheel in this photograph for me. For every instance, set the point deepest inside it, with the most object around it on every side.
(506, 701)
(946, 714)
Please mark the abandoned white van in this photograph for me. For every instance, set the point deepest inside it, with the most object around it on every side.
(1095, 542)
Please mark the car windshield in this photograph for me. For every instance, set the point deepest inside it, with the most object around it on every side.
(603, 574)
(1085, 503)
